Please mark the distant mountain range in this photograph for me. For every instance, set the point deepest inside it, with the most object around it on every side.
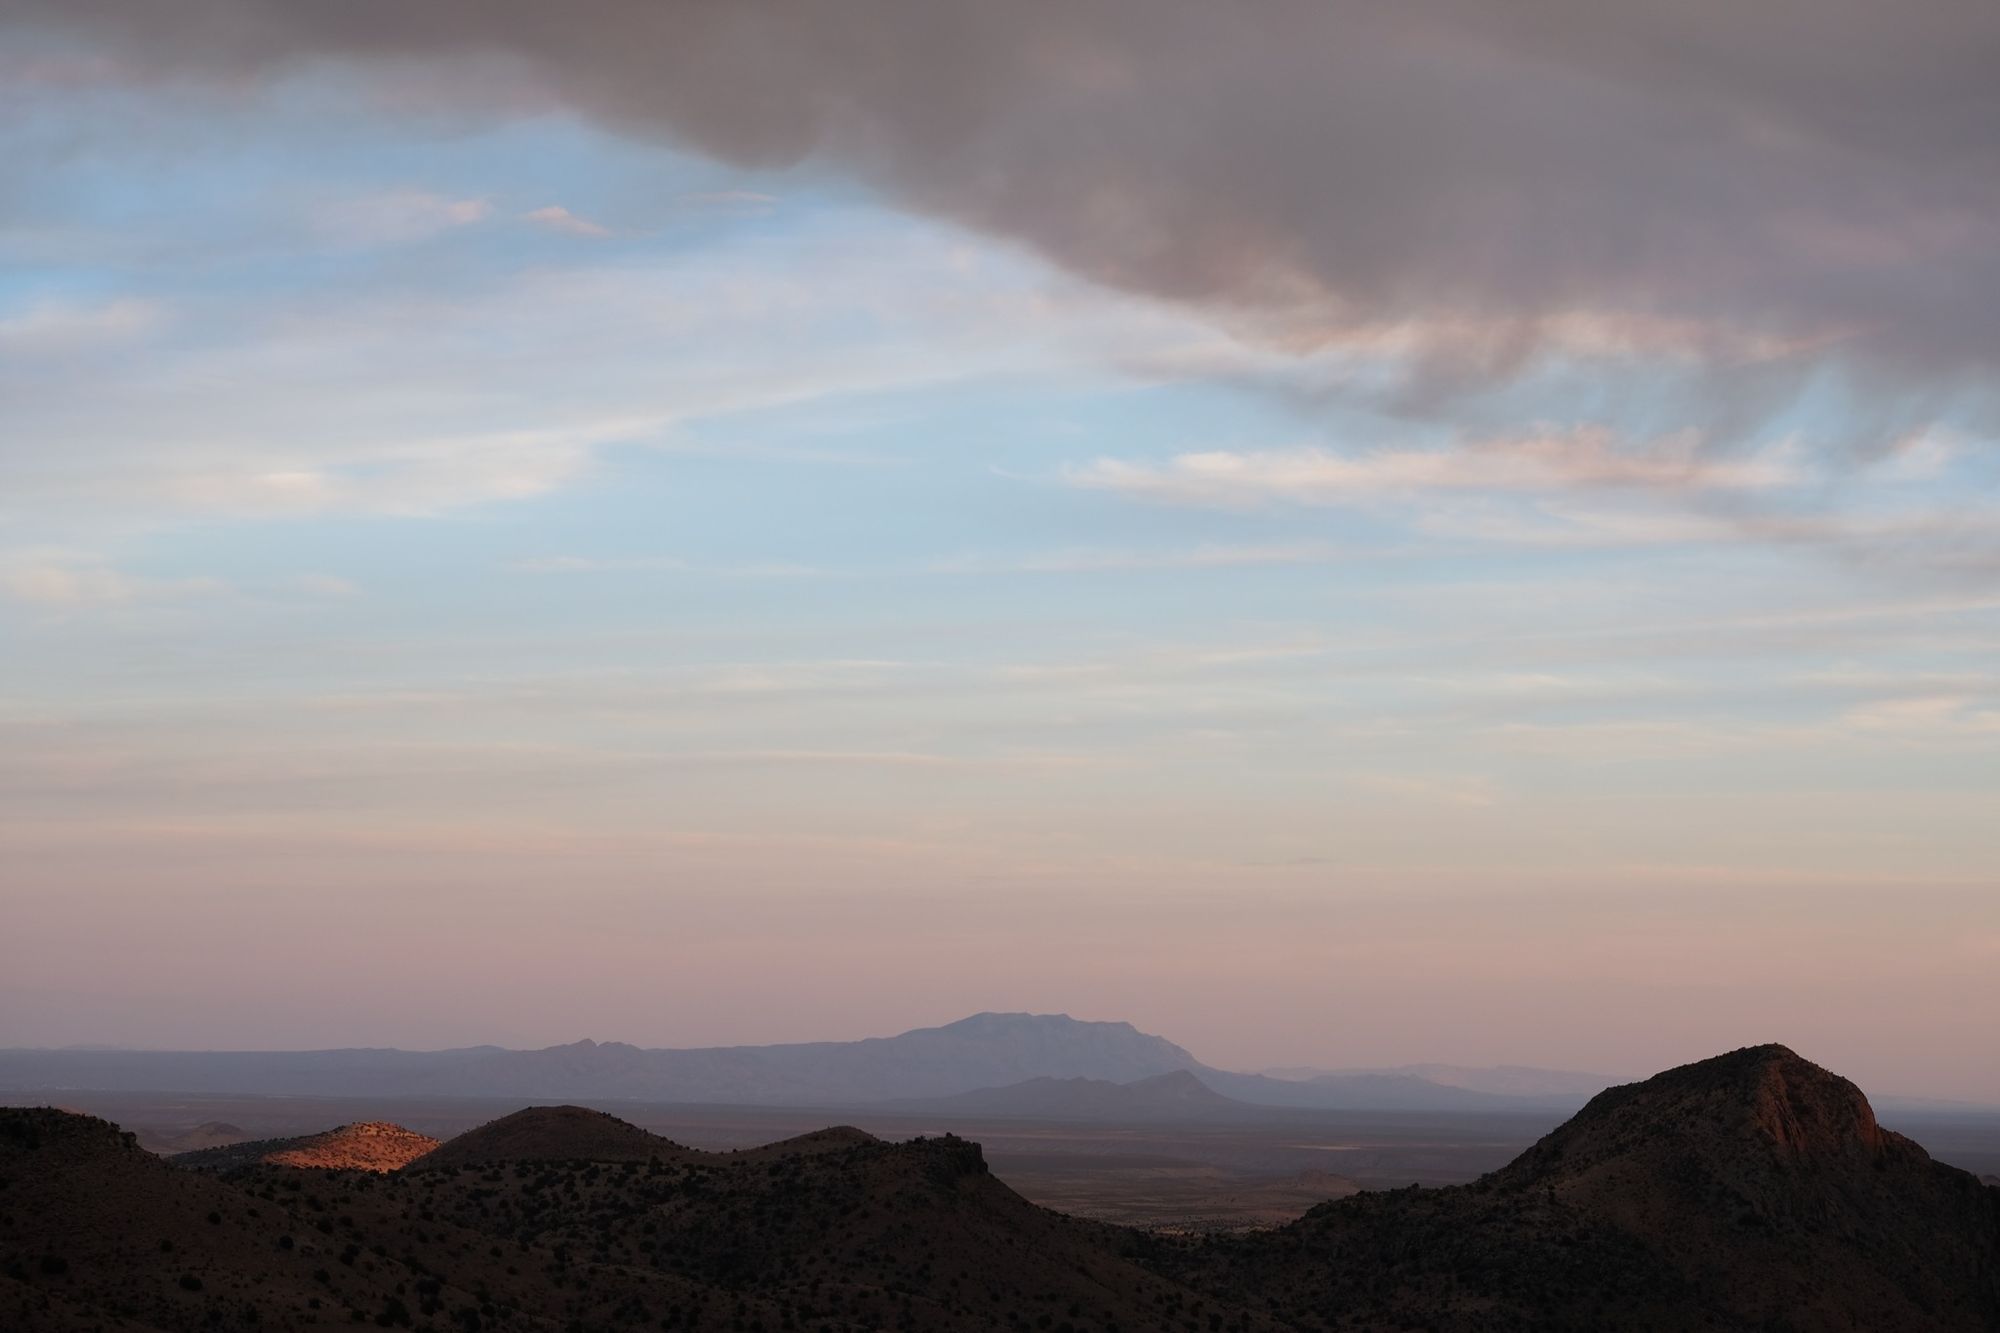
(1180, 1095)
(976, 1055)
(1496, 1080)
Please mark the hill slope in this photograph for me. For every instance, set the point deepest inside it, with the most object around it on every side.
(373, 1145)
(550, 1133)
(207, 1134)
(1753, 1191)
(95, 1232)
(832, 1231)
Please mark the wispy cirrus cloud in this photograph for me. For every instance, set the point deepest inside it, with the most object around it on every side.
(662, 564)
(392, 217)
(554, 217)
(733, 203)
(70, 581)
(59, 327)
(325, 585)
(1540, 463)
(383, 397)
(1100, 560)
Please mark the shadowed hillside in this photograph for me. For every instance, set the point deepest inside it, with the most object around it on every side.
(835, 1231)
(552, 1133)
(1753, 1191)
(207, 1134)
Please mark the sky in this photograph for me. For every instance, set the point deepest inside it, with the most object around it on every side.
(1337, 535)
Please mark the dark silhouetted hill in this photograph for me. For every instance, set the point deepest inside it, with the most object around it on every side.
(549, 1134)
(1750, 1191)
(208, 1134)
(834, 1230)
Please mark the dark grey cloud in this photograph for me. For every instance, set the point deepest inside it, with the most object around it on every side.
(1769, 190)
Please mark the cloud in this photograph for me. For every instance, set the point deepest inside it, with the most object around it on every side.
(48, 584)
(63, 581)
(385, 394)
(326, 585)
(1550, 462)
(734, 203)
(1473, 792)
(660, 564)
(1935, 716)
(1088, 560)
(410, 477)
(64, 327)
(557, 218)
(392, 217)
(583, 564)
(1939, 538)
(1773, 192)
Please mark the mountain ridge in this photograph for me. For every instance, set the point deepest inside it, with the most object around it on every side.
(1178, 1094)
(982, 1051)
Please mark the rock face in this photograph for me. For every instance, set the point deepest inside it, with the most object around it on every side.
(373, 1145)
(1758, 1107)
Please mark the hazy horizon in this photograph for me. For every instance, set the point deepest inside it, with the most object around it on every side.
(1409, 1061)
(1335, 534)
